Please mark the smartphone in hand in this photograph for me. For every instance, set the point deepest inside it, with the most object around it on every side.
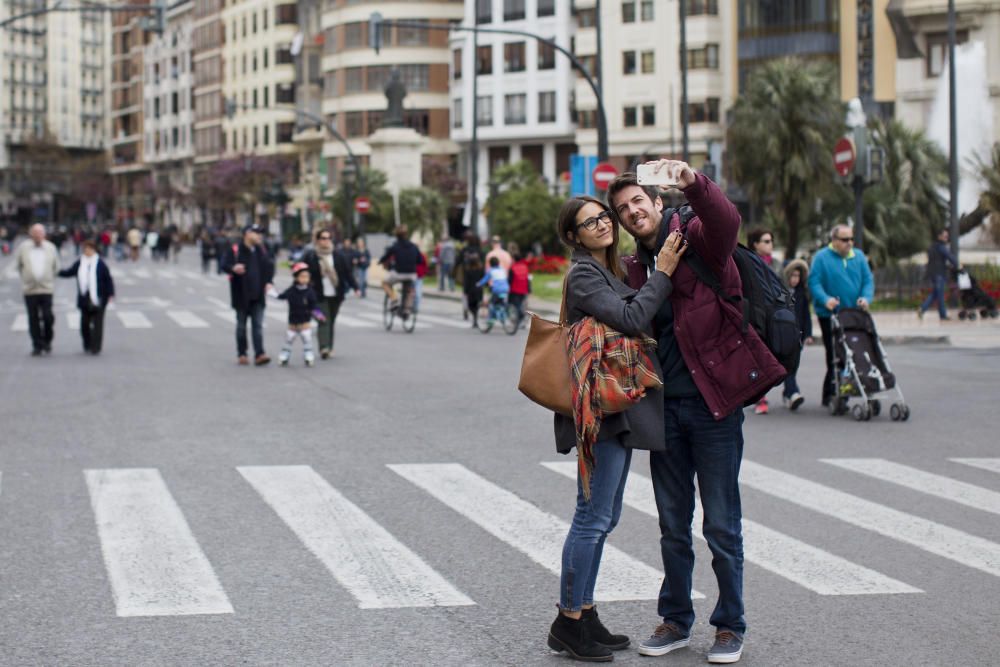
(646, 174)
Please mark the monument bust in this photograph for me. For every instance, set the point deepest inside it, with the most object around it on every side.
(395, 91)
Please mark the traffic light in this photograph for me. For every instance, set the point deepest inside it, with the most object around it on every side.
(375, 31)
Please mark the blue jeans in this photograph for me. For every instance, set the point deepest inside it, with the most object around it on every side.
(445, 277)
(255, 310)
(696, 444)
(361, 277)
(937, 294)
(791, 386)
(594, 519)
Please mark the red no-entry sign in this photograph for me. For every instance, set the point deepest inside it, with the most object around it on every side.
(843, 156)
(362, 204)
(604, 172)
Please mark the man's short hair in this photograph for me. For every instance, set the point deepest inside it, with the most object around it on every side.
(624, 180)
(836, 228)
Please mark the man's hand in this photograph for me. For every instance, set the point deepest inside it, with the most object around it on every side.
(809, 340)
(677, 171)
(832, 303)
(862, 303)
(239, 269)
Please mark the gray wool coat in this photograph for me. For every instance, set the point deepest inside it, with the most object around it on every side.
(593, 290)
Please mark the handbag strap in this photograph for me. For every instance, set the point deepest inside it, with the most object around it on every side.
(562, 308)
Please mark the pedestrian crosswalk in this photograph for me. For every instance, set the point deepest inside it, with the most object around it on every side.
(156, 567)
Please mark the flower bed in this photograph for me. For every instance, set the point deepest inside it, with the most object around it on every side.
(554, 264)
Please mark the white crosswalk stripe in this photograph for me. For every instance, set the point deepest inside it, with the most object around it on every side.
(818, 570)
(20, 322)
(227, 315)
(133, 319)
(141, 273)
(187, 319)
(939, 486)
(218, 303)
(166, 274)
(154, 563)
(354, 322)
(990, 464)
(935, 538)
(73, 320)
(531, 531)
(377, 569)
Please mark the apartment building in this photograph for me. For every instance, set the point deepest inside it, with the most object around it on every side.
(641, 78)
(307, 195)
(208, 39)
(355, 76)
(134, 191)
(168, 127)
(518, 90)
(53, 86)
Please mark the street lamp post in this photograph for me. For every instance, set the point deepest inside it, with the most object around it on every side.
(952, 135)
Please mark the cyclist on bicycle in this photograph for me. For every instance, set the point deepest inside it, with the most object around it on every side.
(401, 259)
(496, 278)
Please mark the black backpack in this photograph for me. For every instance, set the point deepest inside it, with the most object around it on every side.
(767, 305)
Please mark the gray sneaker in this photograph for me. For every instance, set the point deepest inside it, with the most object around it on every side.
(664, 639)
(728, 647)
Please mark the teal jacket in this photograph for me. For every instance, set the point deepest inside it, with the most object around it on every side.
(847, 278)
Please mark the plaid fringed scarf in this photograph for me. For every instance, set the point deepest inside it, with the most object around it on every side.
(610, 373)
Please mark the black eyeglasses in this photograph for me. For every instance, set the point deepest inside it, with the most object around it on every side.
(325, 238)
(849, 239)
(591, 223)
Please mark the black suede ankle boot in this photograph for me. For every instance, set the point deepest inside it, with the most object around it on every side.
(600, 634)
(573, 636)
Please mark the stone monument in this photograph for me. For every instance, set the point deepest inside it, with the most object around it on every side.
(395, 149)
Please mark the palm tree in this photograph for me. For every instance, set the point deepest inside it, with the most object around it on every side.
(781, 139)
(989, 199)
(903, 211)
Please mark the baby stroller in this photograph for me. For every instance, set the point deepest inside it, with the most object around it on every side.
(974, 298)
(861, 369)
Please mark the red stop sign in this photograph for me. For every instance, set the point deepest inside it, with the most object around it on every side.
(843, 156)
(604, 172)
(362, 204)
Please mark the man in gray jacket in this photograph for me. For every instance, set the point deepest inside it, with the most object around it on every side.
(38, 263)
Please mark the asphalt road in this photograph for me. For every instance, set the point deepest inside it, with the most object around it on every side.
(160, 505)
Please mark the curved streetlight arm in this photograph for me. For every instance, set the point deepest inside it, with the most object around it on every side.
(602, 124)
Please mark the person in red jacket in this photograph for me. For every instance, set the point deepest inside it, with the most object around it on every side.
(711, 366)
(520, 285)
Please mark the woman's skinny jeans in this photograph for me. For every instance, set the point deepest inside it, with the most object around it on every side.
(594, 519)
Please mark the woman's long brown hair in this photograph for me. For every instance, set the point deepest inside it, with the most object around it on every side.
(566, 229)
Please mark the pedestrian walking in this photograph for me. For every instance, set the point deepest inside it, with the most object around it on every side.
(37, 261)
(446, 264)
(94, 290)
(761, 241)
(496, 250)
(251, 271)
(362, 260)
(939, 257)
(207, 249)
(134, 238)
(595, 289)
(470, 271)
(796, 275)
(302, 307)
(520, 285)
(839, 277)
(712, 364)
(331, 275)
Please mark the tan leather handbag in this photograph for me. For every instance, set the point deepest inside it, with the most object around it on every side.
(545, 371)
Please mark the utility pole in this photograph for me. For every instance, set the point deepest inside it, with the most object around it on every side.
(685, 146)
(602, 128)
(474, 147)
(952, 134)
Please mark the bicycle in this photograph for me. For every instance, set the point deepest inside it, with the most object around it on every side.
(497, 310)
(407, 313)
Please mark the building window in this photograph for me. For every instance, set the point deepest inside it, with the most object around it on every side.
(266, 51)
(284, 132)
(415, 77)
(484, 60)
(547, 107)
(456, 64)
(352, 80)
(513, 57)
(586, 119)
(354, 35)
(546, 7)
(513, 10)
(484, 11)
(704, 112)
(698, 7)
(629, 117)
(646, 10)
(286, 15)
(546, 56)
(377, 75)
(456, 113)
(267, 135)
(514, 109)
(649, 115)
(588, 63)
(648, 59)
(937, 50)
(355, 121)
(628, 11)
(406, 36)
(283, 56)
(484, 111)
(284, 93)
(628, 62)
(707, 57)
(586, 18)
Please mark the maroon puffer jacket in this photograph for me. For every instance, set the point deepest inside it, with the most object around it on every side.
(728, 366)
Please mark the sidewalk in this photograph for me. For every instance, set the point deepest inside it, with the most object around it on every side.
(894, 327)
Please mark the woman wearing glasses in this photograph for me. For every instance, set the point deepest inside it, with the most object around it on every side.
(594, 287)
(330, 274)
